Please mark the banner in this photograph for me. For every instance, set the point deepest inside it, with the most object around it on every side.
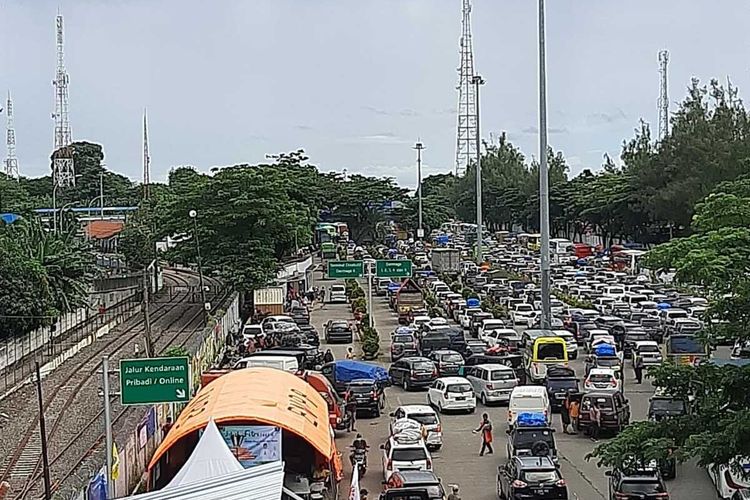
(115, 462)
(253, 444)
(354, 489)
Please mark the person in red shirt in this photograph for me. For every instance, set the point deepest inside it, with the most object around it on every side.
(485, 427)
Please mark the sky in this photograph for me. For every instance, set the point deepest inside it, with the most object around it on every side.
(354, 82)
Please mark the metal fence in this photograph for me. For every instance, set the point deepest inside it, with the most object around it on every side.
(18, 355)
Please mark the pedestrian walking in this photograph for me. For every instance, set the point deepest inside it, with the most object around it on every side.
(350, 352)
(328, 356)
(638, 368)
(454, 493)
(351, 411)
(363, 494)
(596, 421)
(565, 414)
(574, 409)
(485, 427)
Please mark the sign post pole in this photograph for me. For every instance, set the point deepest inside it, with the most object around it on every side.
(369, 294)
(107, 424)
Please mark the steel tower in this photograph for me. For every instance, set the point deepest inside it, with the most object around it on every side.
(64, 171)
(11, 162)
(663, 102)
(466, 133)
(146, 158)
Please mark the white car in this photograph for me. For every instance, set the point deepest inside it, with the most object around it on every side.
(493, 337)
(488, 325)
(648, 351)
(452, 393)
(418, 321)
(425, 416)
(465, 318)
(337, 294)
(523, 314)
(571, 345)
(601, 380)
(725, 478)
(404, 451)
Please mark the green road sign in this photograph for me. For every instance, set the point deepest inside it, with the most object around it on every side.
(345, 269)
(154, 380)
(393, 268)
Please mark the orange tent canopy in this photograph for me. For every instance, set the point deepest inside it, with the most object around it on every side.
(264, 395)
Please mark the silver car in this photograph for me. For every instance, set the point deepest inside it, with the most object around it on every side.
(492, 383)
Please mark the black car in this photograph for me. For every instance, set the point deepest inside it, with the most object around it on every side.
(312, 336)
(580, 327)
(406, 480)
(403, 344)
(476, 322)
(614, 408)
(474, 347)
(300, 315)
(643, 484)
(433, 342)
(457, 338)
(531, 442)
(448, 362)
(524, 478)
(339, 331)
(368, 394)
(413, 372)
(652, 326)
(558, 388)
(663, 406)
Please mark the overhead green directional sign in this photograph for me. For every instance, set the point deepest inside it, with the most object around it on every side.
(148, 381)
(393, 268)
(345, 269)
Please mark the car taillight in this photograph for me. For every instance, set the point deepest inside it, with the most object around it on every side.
(374, 395)
(560, 483)
(518, 484)
(389, 464)
(413, 373)
(429, 463)
(434, 372)
(613, 383)
(662, 495)
(439, 428)
(545, 413)
(621, 496)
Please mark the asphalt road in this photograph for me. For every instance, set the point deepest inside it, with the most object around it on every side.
(458, 462)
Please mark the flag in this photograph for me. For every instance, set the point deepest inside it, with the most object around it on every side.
(115, 462)
(354, 490)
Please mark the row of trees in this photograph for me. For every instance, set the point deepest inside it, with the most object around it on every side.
(648, 198)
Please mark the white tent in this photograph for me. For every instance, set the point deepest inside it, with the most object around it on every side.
(210, 458)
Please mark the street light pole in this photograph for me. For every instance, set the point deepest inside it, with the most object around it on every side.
(419, 147)
(194, 215)
(477, 81)
(54, 204)
(543, 175)
(101, 195)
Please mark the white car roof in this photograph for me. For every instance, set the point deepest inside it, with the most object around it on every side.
(417, 409)
(562, 333)
(495, 366)
(602, 371)
(646, 342)
(422, 318)
(453, 380)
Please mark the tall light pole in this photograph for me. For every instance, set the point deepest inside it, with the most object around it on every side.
(419, 147)
(194, 215)
(101, 195)
(543, 175)
(477, 81)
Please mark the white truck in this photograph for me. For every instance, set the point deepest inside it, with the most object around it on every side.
(446, 260)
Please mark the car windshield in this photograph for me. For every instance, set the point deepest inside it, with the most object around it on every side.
(525, 438)
(404, 339)
(646, 487)
(607, 362)
(600, 378)
(478, 348)
(685, 345)
(635, 337)
(408, 454)
(648, 348)
(423, 366)
(668, 405)
(423, 418)
(451, 358)
(526, 403)
(524, 307)
(605, 403)
(361, 388)
(550, 351)
(562, 383)
(502, 375)
(458, 388)
(539, 476)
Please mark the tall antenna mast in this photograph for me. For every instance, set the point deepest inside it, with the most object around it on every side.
(146, 158)
(64, 171)
(663, 101)
(466, 133)
(11, 162)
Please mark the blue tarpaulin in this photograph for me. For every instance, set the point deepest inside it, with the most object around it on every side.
(97, 488)
(9, 218)
(531, 419)
(605, 350)
(348, 370)
(472, 303)
(663, 305)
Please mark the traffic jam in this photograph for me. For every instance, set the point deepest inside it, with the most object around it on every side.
(570, 379)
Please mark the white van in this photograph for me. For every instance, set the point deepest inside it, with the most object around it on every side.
(337, 294)
(529, 399)
(286, 363)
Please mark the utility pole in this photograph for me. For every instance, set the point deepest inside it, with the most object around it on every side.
(107, 424)
(477, 81)
(419, 147)
(663, 102)
(146, 158)
(543, 175)
(43, 432)
(206, 306)
(146, 314)
(467, 129)
(101, 195)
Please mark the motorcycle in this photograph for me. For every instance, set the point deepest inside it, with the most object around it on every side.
(359, 458)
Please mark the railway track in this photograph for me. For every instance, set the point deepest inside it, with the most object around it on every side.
(22, 469)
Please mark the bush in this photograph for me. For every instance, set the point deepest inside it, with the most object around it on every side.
(359, 304)
(370, 342)
(456, 287)
(430, 300)
(435, 312)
